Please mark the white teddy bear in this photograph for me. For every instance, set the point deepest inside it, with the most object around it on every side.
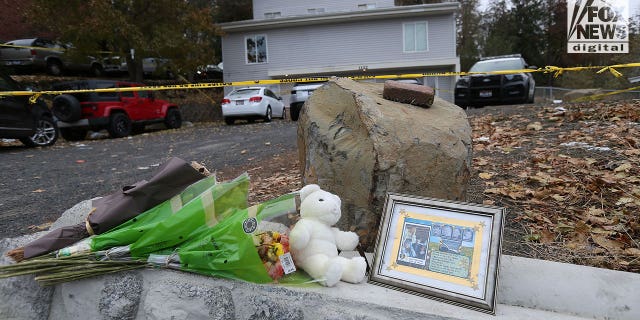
(314, 243)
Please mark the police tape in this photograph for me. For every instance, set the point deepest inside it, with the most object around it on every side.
(557, 71)
(602, 95)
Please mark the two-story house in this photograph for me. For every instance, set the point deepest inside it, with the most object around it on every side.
(303, 38)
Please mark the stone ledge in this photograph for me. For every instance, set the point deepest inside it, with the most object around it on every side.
(527, 289)
(553, 291)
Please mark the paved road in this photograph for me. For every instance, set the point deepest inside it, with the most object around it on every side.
(37, 185)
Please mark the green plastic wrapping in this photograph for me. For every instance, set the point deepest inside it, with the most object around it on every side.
(133, 229)
(236, 248)
(203, 212)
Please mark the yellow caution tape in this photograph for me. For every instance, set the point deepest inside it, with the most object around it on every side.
(602, 95)
(557, 71)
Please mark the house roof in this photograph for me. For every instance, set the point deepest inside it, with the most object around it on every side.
(336, 17)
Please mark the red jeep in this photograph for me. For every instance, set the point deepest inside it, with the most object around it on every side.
(118, 112)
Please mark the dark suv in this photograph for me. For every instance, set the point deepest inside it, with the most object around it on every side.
(43, 54)
(494, 89)
(31, 123)
(120, 113)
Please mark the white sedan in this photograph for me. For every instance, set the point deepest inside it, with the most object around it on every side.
(252, 103)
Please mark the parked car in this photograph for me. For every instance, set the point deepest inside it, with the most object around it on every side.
(252, 103)
(120, 113)
(31, 123)
(495, 89)
(299, 94)
(39, 54)
(159, 68)
(114, 65)
(208, 72)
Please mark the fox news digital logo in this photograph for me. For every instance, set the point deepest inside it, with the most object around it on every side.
(597, 26)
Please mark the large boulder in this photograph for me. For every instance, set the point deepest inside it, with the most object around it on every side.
(356, 144)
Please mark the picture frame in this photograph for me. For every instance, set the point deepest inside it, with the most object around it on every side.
(444, 250)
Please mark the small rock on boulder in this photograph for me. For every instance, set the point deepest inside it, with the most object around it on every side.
(414, 94)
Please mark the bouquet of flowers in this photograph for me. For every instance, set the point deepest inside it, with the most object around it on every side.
(118, 207)
(214, 234)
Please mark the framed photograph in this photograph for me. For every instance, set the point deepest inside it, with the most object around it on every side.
(443, 250)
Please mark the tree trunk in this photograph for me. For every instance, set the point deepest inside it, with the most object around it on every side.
(134, 67)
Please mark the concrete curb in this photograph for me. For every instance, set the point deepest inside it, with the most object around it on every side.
(527, 289)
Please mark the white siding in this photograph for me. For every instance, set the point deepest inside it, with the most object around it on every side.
(288, 8)
(337, 45)
(343, 48)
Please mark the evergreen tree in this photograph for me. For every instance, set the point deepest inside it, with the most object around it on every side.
(468, 24)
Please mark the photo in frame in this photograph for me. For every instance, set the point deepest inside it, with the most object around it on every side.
(443, 250)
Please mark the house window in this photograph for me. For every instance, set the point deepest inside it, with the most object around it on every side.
(272, 15)
(415, 37)
(256, 47)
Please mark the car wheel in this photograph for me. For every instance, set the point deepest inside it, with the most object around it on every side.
(54, 67)
(295, 113)
(66, 108)
(267, 116)
(229, 121)
(119, 125)
(532, 98)
(73, 134)
(46, 133)
(96, 70)
(173, 119)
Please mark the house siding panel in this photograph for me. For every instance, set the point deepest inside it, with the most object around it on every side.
(346, 44)
(289, 8)
(342, 47)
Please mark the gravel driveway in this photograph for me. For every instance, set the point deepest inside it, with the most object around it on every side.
(39, 184)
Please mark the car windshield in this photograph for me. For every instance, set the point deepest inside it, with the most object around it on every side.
(244, 92)
(497, 65)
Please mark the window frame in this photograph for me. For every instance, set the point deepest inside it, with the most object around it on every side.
(404, 39)
(246, 49)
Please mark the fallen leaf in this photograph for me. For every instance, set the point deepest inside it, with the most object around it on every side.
(485, 175)
(611, 245)
(535, 237)
(623, 167)
(537, 126)
(40, 227)
(562, 227)
(481, 161)
(624, 201)
(547, 236)
(632, 251)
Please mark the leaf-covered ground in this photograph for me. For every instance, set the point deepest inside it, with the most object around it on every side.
(567, 174)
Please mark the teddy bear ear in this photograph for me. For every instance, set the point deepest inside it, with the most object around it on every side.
(307, 190)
